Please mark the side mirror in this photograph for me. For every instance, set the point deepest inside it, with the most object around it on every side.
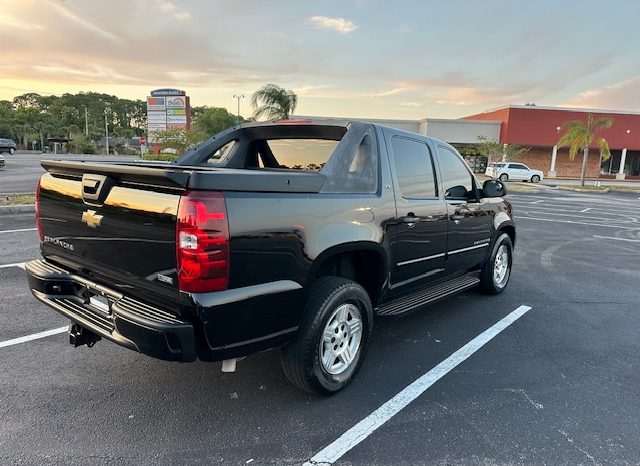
(494, 188)
(456, 192)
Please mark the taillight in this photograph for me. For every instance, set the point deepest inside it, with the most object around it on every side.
(38, 212)
(202, 242)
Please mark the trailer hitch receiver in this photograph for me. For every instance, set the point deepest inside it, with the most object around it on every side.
(79, 336)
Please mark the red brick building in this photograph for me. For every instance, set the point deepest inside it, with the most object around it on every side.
(539, 128)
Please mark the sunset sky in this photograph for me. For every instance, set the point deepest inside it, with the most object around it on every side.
(349, 58)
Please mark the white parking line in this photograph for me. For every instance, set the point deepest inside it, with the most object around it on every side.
(18, 230)
(376, 419)
(17, 264)
(577, 223)
(538, 202)
(617, 239)
(585, 210)
(35, 336)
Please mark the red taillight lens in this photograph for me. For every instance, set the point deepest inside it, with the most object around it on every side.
(202, 242)
(38, 212)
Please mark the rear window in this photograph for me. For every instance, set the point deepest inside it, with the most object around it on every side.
(302, 154)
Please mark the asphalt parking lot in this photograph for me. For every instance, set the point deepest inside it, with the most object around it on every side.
(22, 170)
(559, 385)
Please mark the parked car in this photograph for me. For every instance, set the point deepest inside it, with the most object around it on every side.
(7, 145)
(1, 161)
(289, 235)
(510, 171)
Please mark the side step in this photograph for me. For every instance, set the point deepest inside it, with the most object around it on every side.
(429, 295)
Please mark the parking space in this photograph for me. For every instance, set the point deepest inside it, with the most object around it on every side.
(556, 386)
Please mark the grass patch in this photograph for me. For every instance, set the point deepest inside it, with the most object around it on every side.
(521, 188)
(618, 187)
(17, 199)
(573, 187)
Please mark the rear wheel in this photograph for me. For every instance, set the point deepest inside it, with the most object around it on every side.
(535, 179)
(332, 339)
(497, 270)
(503, 177)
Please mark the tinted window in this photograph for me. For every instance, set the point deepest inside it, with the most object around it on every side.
(518, 166)
(453, 170)
(413, 168)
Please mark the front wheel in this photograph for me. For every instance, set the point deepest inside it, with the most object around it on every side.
(535, 179)
(12, 151)
(496, 271)
(503, 177)
(332, 339)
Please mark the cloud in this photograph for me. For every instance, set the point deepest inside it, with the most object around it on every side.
(624, 95)
(343, 26)
(84, 23)
(170, 8)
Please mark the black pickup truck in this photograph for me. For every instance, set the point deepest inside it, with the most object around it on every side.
(288, 234)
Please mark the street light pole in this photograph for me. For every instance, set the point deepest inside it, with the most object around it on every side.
(106, 130)
(238, 97)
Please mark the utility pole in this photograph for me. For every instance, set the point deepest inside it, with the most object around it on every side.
(86, 122)
(106, 130)
(238, 97)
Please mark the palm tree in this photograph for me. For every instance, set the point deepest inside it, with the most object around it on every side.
(579, 136)
(273, 102)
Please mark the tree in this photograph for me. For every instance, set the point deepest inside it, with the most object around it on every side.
(495, 151)
(579, 136)
(273, 102)
(212, 120)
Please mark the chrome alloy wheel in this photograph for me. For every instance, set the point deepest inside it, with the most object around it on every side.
(501, 266)
(341, 339)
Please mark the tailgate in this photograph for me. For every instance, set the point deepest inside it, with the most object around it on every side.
(115, 225)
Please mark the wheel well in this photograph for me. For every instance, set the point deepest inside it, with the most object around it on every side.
(511, 231)
(363, 267)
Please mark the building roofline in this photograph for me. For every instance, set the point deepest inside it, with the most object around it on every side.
(562, 109)
(460, 120)
(376, 120)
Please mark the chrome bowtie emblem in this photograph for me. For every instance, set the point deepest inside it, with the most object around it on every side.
(91, 218)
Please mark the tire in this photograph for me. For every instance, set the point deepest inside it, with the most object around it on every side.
(535, 179)
(12, 151)
(316, 360)
(496, 272)
(503, 177)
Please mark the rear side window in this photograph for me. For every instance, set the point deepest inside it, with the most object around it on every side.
(414, 168)
(221, 154)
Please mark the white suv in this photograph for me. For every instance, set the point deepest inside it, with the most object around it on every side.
(513, 171)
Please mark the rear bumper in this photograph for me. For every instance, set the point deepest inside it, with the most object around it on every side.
(130, 323)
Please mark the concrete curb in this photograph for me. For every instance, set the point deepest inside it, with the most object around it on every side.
(578, 190)
(17, 209)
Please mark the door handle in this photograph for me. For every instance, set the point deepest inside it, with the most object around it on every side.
(456, 217)
(410, 219)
